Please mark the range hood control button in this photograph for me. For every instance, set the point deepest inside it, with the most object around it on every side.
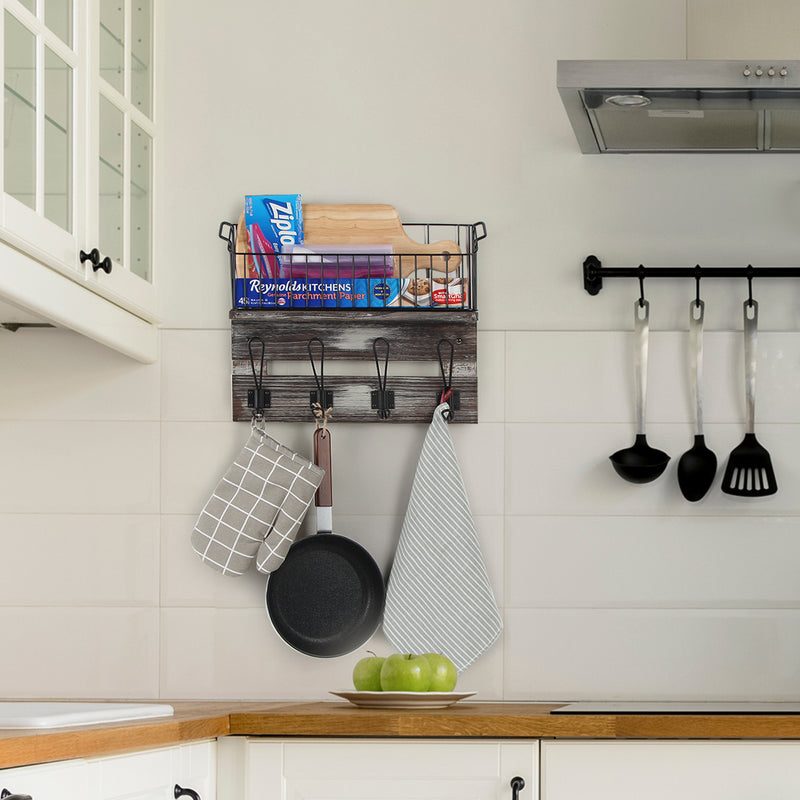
(746, 71)
(759, 72)
(784, 72)
(771, 72)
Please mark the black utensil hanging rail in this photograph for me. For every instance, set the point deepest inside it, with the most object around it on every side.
(594, 273)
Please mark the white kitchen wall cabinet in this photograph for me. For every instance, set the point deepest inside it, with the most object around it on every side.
(77, 171)
(657, 770)
(145, 775)
(378, 769)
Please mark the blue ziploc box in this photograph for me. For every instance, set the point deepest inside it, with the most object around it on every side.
(273, 222)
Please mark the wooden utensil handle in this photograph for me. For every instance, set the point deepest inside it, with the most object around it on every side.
(441, 256)
(322, 458)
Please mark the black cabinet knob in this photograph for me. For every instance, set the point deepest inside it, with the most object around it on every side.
(93, 256)
(105, 265)
(517, 785)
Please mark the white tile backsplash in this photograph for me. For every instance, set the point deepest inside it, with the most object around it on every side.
(657, 562)
(643, 654)
(196, 375)
(565, 469)
(572, 376)
(79, 466)
(106, 560)
(235, 654)
(80, 652)
(491, 375)
(608, 589)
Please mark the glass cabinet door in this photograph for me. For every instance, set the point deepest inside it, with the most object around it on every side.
(124, 161)
(78, 130)
(40, 158)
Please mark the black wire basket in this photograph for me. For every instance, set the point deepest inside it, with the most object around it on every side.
(330, 279)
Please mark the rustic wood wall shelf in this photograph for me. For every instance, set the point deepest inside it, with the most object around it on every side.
(349, 335)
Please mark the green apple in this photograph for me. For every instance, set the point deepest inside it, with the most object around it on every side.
(404, 672)
(367, 673)
(443, 672)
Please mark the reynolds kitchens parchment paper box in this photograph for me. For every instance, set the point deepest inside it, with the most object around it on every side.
(314, 293)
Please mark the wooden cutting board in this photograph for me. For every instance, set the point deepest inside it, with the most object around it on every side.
(376, 223)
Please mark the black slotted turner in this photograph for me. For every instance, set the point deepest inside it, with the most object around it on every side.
(749, 471)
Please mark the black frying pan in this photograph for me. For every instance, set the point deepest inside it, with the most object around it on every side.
(326, 599)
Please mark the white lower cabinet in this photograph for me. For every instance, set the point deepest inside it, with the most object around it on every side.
(669, 770)
(153, 774)
(63, 780)
(146, 775)
(375, 769)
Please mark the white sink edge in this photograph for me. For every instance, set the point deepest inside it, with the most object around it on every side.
(20, 714)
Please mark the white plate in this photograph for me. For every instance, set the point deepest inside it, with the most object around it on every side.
(403, 699)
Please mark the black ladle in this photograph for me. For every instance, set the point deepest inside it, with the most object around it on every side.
(640, 463)
(698, 465)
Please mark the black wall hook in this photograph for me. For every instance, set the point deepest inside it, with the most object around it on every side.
(448, 394)
(381, 399)
(257, 398)
(323, 400)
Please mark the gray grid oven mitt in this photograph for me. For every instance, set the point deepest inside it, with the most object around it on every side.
(256, 508)
(438, 599)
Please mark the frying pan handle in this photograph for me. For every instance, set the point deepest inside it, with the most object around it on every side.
(322, 458)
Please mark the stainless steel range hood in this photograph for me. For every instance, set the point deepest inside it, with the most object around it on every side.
(683, 106)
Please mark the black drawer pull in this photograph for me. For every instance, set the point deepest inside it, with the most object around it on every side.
(6, 794)
(181, 792)
(517, 785)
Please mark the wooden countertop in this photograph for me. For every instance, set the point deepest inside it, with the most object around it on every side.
(195, 721)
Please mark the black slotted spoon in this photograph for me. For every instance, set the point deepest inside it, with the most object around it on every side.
(698, 465)
(749, 471)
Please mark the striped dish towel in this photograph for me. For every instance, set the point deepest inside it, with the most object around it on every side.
(257, 507)
(438, 598)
